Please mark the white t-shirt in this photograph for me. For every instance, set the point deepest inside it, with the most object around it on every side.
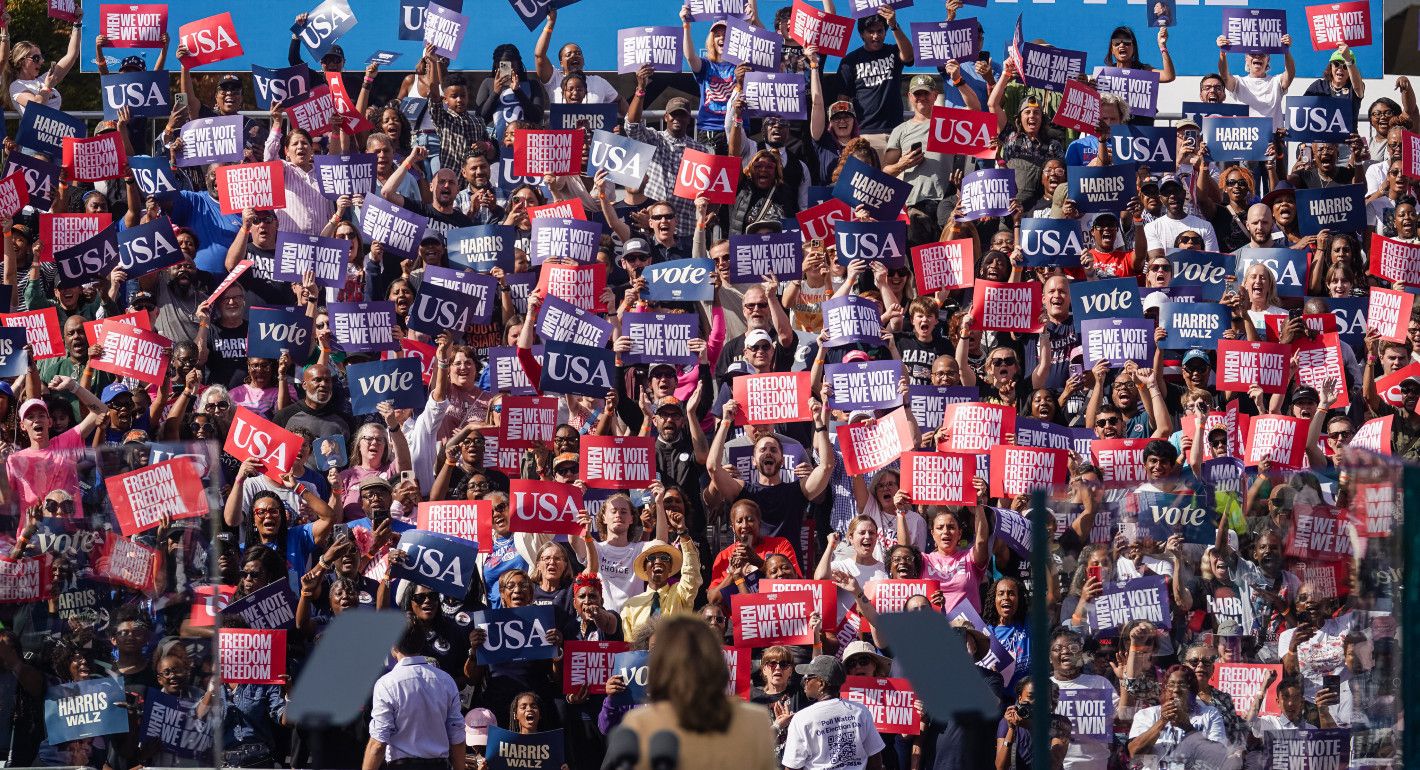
(1263, 97)
(599, 91)
(832, 734)
(1162, 231)
(618, 575)
(863, 573)
(1204, 718)
(32, 87)
(1087, 755)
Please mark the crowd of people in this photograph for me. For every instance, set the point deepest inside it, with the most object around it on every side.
(1186, 561)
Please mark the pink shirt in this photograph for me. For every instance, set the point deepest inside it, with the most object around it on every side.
(959, 576)
(35, 473)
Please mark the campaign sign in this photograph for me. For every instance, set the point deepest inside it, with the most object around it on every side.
(121, 561)
(928, 403)
(767, 619)
(1013, 529)
(545, 506)
(173, 723)
(41, 329)
(509, 750)
(680, 280)
(482, 247)
(398, 379)
(297, 253)
(777, 94)
(715, 10)
(145, 94)
(569, 209)
(660, 338)
(755, 46)
(312, 112)
(891, 702)
(58, 232)
(13, 359)
(1162, 515)
(1254, 30)
(811, 26)
(383, 58)
(1389, 313)
(773, 398)
(1153, 146)
(1198, 111)
(851, 320)
(1052, 68)
(85, 709)
(154, 175)
(753, 256)
(1319, 360)
(96, 159)
(515, 634)
(593, 117)
(252, 656)
(976, 427)
(1051, 242)
(884, 241)
(26, 580)
(944, 265)
(657, 46)
(528, 421)
(88, 261)
(1079, 108)
(1143, 598)
(440, 562)
(1038, 433)
(279, 84)
(859, 184)
(547, 152)
(618, 462)
(1241, 364)
(324, 25)
(329, 452)
(962, 132)
(1277, 438)
(1409, 154)
(1240, 138)
(363, 327)
(44, 129)
(715, 176)
(462, 519)
(1202, 267)
(864, 385)
(824, 592)
(252, 186)
(134, 26)
(625, 160)
(634, 667)
(554, 238)
(396, 227)
(444, 28)
(1245, 681)
(1319, 534)
(1006, 307)
(1288, 266)
(1096, 189)
(1017, 470)
(1333, 24)
(577, 369)
(868, 446)
(14, 194)
(209, 40)
(133, 352)
(269, 607)
(1090, 711)
(1106, 298)
(345, 174)
(1193, 324)
(1391, 259)
(938, 42)
(150, 246)
(561, 321)
(1140, 88)
(939, 478)
(581, 285)
(254, 437)
(1338, 209)
(987, 193)
(816, 223)
(530, 12)
(142, 497)
(1308, 748)
(892, 595)
(1319, 119)
(1118, 341)
(438, 309)
(211, 140)
(1120, 460)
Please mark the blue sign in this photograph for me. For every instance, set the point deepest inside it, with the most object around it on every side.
(523, 751)
(13, 360)
(400, 380)
(1098, 189)
(271, 330)
(1193, 324)
(1288, 266)
(577, 369)
(277, 84)
(859, 184)
(145, 94)
(84, 709)
(884, 241)
(87, 261)
(1237, 138)
(41, 177)
(43, 129)
(1107, 298)
(329, 452)
(1051, 242)
(518, 633)
(595, 117)
(437, 310)
(1350, 315)
(1197, 111)
(174, 723)
(1202, 267)
(1163, 515)
(626, 161)
(680, 280)
(1049, 67)
(634, 667)
(1338, 209)
(383, 58)
(326, 24)
(148, 247)
(482, 247)
(443, 563)
(1152, 146)
(1319, 119)
(154, 175)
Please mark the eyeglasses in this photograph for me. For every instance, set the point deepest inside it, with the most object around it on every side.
(761, 347)
(1103, 421)
(564, 439)
(1381, 114)
(754, 305)
(661, 217)
(172, 673)
(479, 485)
(1003, 362)
(266, 511)
(56, 506)
(636, 258)
(1204, 661)
(566, 468)
(718, 620)
(1340, 435)
(1067, 649)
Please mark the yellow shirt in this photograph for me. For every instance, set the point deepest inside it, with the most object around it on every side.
(674, 598)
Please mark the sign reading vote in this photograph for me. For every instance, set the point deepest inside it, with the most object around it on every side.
(1108, 298)
(859, 184)
(133, 352)
(660, 338)
(938, 42)
(518, 633)
(85, 709)
(1338, 209)
(767, 619)
(394, 226)
(145, 94)
(271, 606)
(1333, 24)
(134, 26)
(1143, 598)
(755, 46)
(864, 384)
(1096, 189)
(782, 94)
(1237, 138)
(1193, 324)
(439, 562)
(272, 330)
(811, 26)
(892, 703)
(1140, 88)
(680, 280)
(657, 46)
(884, 241)
(399, 380)
(753, 256)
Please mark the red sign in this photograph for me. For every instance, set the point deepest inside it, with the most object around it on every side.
(580, 285)
(314, 112)
(1388, 312)
(1318, 533)
(14, 194)
(25, 580)
(892, 703)
(739, 661)
(1017, 470)
(1243, 681)
(810, 26)
(548, 507)
(1328, 580)
(1006, 307)
(588, 664)
(1388, 387)
(1409, 156)
(945, 265)
(1320, 323)
(773, 398)
(939, 478)
(1394, 260)
(825, 595)
(701, 172)
(1283, 440)
(468, 519)
(232, 276)
(133, 352)
(421, 350)
(41, 331)
(569, 209)
(1242, 364)
(1373, 507)
(133, 26)
(251, 186)
(252, 436)
(528, 421)
(890, 596)
(1319, 361)
(355, 123)
(138, 318)
(210, 601)
(64, 10)
(96, 158)
(976, 427)
(208, 40)
(141, 497)
(121, 561)
(618, 462)
(1079, 108)
(962, 132)
(1120, 459)
(250, 656)
(868, 446)
(767, 619)
(1336, 23)
(548, 152)
(817, 222)
(58, 232)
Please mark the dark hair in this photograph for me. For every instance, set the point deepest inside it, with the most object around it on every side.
(513, 708)
(1189, 677)
(870, 19)
(455, 79)
(988, 611)
(272, 561)
(250, 535)
(574, 75)
(509, 52)
(912, 552)
(1161, 449)
(1126, 32)
(688, 670)
(411, 642)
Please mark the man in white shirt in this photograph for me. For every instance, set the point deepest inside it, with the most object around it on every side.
(1263, 95)
(1175, 220)
(832, 733)
(1067, 658)
(415, 721)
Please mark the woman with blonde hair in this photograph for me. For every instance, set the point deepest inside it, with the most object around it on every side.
(1259, 292)
(716, 79)
(687, 685)
(24, 74)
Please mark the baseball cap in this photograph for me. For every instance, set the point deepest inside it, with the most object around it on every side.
(1306, 393)
(1103, 219)
(841, 107)
(32, 403)
(921, 83)
(229, 83)
(1337, 55)
(825, 667)
(855, 355)
(678, 104)
(1196, 354)
(636, 246)
(1155, 301)
(566, 457)
(1168, 179)
(132, 64)
(114, 390)
(1151, 181)
(720, 23)
(335, 52)
(476, 724)
(140, 297)
(756, 336)
(669, 402)
(433, 237)
(766, 225)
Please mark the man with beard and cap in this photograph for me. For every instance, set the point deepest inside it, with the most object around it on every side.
(201, 213)
(766, 323)
(123, 413)
(444, 186)
(1405, 428)
(176, 292)
(317, 411)
(670, 144)
(49, 463)
(76, 344)
(662, 242)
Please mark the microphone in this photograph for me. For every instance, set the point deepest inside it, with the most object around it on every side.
(623, 749)
(664, 750)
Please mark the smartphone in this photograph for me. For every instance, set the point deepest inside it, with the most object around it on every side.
(1332, 682)
(1076, 370)
(505, 68)
(915, 146)
(1294, 313)
(1095, 572)
(179, 101)
(983, 56)
(408, 476)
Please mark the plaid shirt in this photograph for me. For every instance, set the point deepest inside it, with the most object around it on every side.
(665, 164)
(457, 133)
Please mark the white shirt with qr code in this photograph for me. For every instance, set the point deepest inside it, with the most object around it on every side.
(832, 734)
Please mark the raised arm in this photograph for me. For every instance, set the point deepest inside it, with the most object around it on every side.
(1290, 73)
(1230, 83)
(721, 481)
(818, 120)
(687, 43)
(814, 485)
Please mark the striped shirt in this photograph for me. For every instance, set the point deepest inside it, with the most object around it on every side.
(306, 210)
(665, 164)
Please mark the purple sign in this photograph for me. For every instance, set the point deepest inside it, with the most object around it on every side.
(1049, 67)
(520, 285)
(780, 94)
(1014, 530)
(1254, 30)
(850, 320)
(573, 239)
(859, 184)
(660, 338)
(1090, 711)
(345, 174)
(483, 288)
(1048, 435)
(656, 46)
(400, 380)
(269, 607)
(938, 42)
(363, 327)
(444, 29)
(482, 247)
(715, 10)
(757, 47)
(506, 373)
(861, 8)
(211, 140)
(999, 658)
(1145, 598)
(437, 310)
(754, 256)
(398, 228)
(928, 403)
(296, 253)
(561, 321)
(987, 193)
(1118, 341)
(1138, 87)
(864, 384)
(86, 261)
(741, 456)
(41, 177)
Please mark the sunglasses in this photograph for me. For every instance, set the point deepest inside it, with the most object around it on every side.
(1100, 423)
(660, 557)
(1223, 443)
(900, 272)
(565, 468)
(761, 347)
(1163, 268)
(1340, 435)
(55, 506)
(252, 574)
(661, 217)
(776, 664)
(425, 598)
(1003, 362)
(1236, 182)
(1208, 661)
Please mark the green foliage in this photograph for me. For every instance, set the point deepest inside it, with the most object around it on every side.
(29, 20)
